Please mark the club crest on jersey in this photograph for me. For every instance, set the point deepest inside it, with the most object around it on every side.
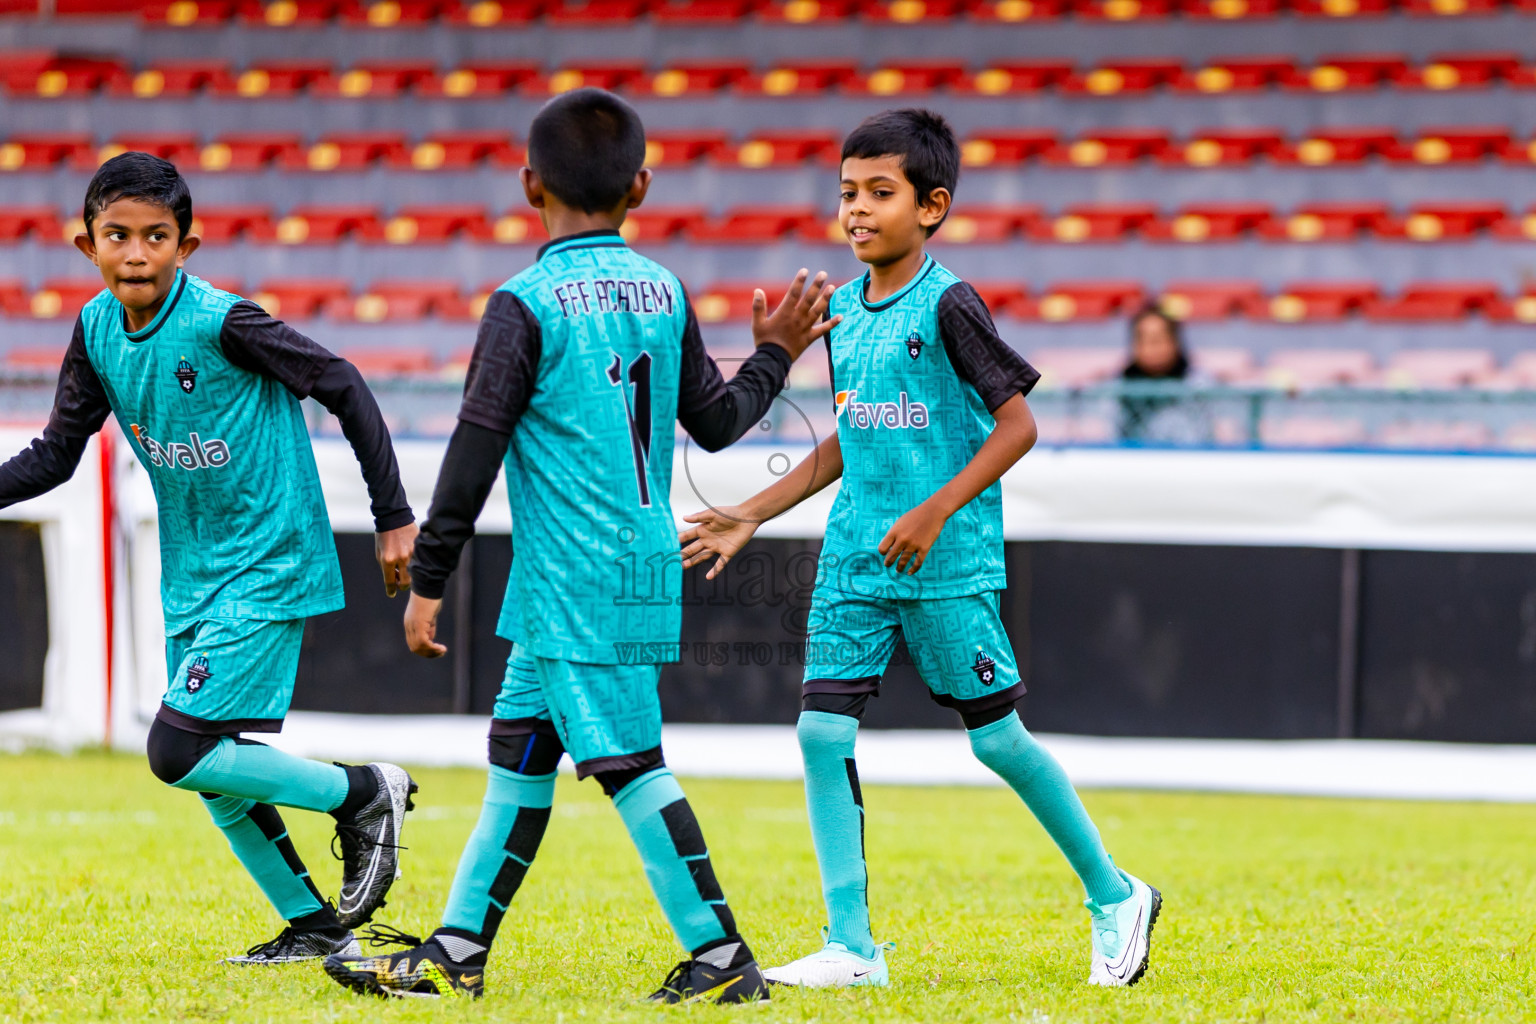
(195, 454)
(186, 373)
(901, 413)
(198, 673)
(914, 345)
(985, 669)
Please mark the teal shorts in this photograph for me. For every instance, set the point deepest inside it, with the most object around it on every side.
(231, 675)
(607, 716)
(957, 644)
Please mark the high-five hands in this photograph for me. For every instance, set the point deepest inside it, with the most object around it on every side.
(721, 532)
(797, 320)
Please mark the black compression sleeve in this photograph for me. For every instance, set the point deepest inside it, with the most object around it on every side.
(45, 464)
(79, 409)
(465, 481)
(717, 414)
(253, 341)
(342, 390)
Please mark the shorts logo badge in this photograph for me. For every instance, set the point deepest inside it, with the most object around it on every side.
(198, 673)
(914, 345)
(985, 668)
(187, 375)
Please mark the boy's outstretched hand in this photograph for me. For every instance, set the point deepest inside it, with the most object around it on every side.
(421, 626)
(393, 550)
(720, 532)
(797, 321)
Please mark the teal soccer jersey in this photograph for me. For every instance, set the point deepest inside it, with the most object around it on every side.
(916, 378)
(244, 532)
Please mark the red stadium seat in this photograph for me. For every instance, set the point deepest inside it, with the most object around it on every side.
(1210, 222)
(1015, 78)
(178, 149)
(1000, 296)
(602, 75)
(1076, 367)
(1340, 146)
(1444, 222)
(378, 80)
(1340, 8)
(491, 13)
(1228, 10)
(346, 153)
(1238, 74)
(1224, 147)
(289, 13)
(47, 152)
(462, 151)
(691, 78)
(399, 301)
(799, 78)
(1110, 147)
(1458, 144)
(1121, 10)
(1083, 300)
(1315, 368)
(62, 76)
(1013, 12)
(16, 299)
(679, 148)
(395, 13)
(327, 225)
(178, 80)
(1521, 228)
(1211, 300)
(781, 149)
(185, 14)
(701, 12)
(1125, 77)
(435, 225)
(807, 12)
(1441, 368)
(1450, 8)
(63, 297)
(220, 224)
(518, 227)
(248, 153)
(1461, 71)
(41, 222)
(910, 12)
(36, 358)
(595, 13)
(651, 224)
(984, 224)
(1434, 301)
(752, 225)
(292, 299)
(1094, 222)
(1321, 301)
(1009, 148)
(478, 80)
(730, 300)
(906, 77)
(274, 80)
(1353, 72)
(1327, 222)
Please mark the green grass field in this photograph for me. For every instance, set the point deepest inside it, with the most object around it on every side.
(118, 897)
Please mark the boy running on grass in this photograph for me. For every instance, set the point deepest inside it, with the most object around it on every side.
(583, 362)
(207, 386)
(930, 414)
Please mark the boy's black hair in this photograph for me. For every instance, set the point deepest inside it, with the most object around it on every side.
(586, 146)
(140, 176)
(923, 140)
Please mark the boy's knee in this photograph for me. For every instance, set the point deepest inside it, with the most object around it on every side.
(526, 746)
(615, 780)
(173, 752)
(999, 740)
(821, 730)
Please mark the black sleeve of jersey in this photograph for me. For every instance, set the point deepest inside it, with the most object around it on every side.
(831, 372)
(254, 341)
(982, 359)
(504, 367)
(465, 481)
(79, 409)
(717, 414)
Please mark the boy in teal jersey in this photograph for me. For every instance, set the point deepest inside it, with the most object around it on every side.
(930, 413)
(207, 387)
(582, 364)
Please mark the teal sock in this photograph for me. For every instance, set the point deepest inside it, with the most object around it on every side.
(671, 846)
(502, 846)
(260, 840)
(255, 771)
(1007, 748)
(836, 807)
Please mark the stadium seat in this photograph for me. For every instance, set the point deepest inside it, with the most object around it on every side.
(35, 358)
(401, 301)
(493, 13)
(781, 149)
(1433, 301)
(1456, 144)
(1315, 368)
(349, 153)
(1340, 8)
(798, 78)
(293, 299)
(652, 224)
(1121, 10)
(394, 13)
(1109, 147)
(1461, 71)
(185, 14)
(700, 12)
(602, 75)
(40, 222)
(1211, 300)
(1321, 301)
(909, 12)
(1224, 147)
(752, 225)
(327, 225)
(178, 149)
(435, 225)
(62, 76)
(730, 300)
(592, 13)
(288, 13)
(1076, 367)
(1340, 146)
(1223, 75)
(63, 297)
(519, 226)
(178, 80)
(47, 152)
(1081, 300)
(690, 78)
(221, 224)
(1450, 8)
(373, 80)
(478, 80)
(905, 78)
(1008, 148)
(1015, 78)
(462, 151)
(1440, 221)
(1518, 227)
(15, 297)
(1352, 72)
(276, 80)
(373, 362)
(1228, 10)
(679, 148)
(1125, 77)
(805, 12)
(249, 153)
(1440, 368)
(1000, 296)
(983, 224)
(1209, 222)
(1094, 222)
(1015, 11)
(1327, 222)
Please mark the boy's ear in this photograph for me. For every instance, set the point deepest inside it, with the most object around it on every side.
(533, 188)
(86, 244)
(638, 188)
(188, 246)
(931, 211)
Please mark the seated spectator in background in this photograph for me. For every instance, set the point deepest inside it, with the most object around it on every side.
(1158, 354)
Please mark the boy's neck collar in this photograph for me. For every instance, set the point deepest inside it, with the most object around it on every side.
(173, 296)
(601, 236)
(914, 274)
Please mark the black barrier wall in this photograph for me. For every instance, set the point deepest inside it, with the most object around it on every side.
(1112, 639)
(24, 612)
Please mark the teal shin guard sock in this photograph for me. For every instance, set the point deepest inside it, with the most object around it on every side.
(502, 846)
(260, 840)
(671, 846)
(255, 771)
(1007, 748)
(836, 808)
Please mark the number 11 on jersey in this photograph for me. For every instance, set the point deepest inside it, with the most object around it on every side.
(638, 412)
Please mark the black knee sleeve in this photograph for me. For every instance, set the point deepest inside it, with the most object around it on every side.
(615, 779)
(173, 752)
(527, 746)
(977, 719)
(850, 704)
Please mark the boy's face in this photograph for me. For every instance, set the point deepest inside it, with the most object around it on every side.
(880, 211)
(136, 246)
